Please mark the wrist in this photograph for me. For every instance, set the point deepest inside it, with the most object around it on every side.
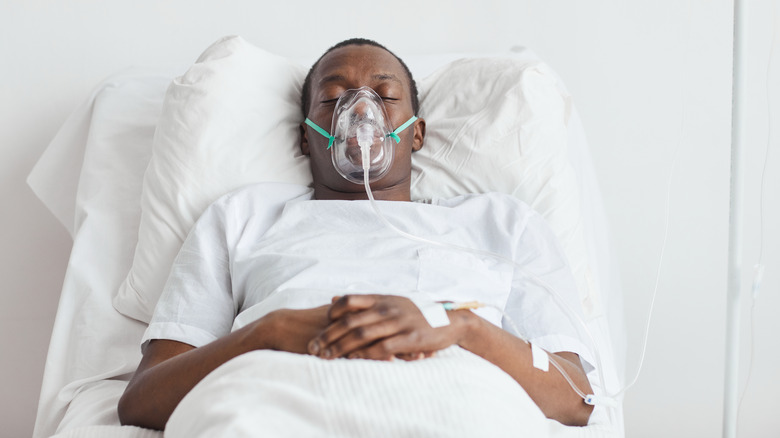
(468, 326)
(261, 334)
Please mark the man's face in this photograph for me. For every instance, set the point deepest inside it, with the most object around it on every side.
(353, 67)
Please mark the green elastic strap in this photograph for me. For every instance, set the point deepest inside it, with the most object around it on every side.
(324, 133)
(395, 133)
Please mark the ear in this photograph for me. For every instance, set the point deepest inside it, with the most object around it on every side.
(304, 144)
(419, 135)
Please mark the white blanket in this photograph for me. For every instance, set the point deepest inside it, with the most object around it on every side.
(270, 393)
(278, 394)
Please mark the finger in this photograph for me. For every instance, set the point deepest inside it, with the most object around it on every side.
(385, 349)
(411, 356)
(405, 346)
(340, 327)
(351, 303)
(359, 338)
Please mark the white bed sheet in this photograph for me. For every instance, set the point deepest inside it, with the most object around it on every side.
(90, 340)
(93, 348)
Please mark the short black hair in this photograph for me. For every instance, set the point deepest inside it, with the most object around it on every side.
(306, 90)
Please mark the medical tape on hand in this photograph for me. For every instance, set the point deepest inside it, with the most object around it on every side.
(539, 358)
(433, 312)
(594, 400)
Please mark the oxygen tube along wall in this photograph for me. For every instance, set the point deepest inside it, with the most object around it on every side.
(733, 297)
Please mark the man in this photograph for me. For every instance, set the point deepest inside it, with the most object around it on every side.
(380, 326)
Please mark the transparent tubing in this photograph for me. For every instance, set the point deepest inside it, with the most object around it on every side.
(573, 317)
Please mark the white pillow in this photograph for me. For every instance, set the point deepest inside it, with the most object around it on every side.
(499, 125)
(232, 119)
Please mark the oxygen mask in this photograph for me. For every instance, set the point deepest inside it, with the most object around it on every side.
(362, 136)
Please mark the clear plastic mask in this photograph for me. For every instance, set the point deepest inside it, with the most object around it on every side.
(361, 128)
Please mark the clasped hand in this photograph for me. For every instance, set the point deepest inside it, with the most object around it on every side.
(380, 327)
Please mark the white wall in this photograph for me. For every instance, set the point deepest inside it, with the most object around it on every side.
(649, 78)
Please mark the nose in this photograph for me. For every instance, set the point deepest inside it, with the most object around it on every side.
(363, 110)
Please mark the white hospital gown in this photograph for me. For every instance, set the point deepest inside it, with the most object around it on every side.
(270, 246)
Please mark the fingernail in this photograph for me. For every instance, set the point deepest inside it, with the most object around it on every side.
(420, 355)
(314, 347)
(326, 353)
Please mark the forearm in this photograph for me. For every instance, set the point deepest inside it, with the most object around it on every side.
(549, 390)
(157, 388)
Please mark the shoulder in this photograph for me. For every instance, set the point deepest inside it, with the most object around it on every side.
(502, 210)
(249, 204)
(257, 195)
(494, 201)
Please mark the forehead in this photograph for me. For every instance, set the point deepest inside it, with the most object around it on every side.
(358, 64)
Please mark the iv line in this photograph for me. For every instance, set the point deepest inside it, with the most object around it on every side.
(588, 398)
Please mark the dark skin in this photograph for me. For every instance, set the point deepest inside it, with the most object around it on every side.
(352, 67)
(380, 327)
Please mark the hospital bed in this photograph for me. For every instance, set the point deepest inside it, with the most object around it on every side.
(132, 168)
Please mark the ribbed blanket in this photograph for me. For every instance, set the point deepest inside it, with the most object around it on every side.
(277, 394)
(273, 394)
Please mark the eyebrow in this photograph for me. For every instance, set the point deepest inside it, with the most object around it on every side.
(379, 76)
(331, 78)
(387, 77)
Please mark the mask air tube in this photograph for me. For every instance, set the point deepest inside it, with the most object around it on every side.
(360, 121)
(365, 139)
(607, 400)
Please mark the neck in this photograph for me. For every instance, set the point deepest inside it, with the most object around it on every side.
(397, 192)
